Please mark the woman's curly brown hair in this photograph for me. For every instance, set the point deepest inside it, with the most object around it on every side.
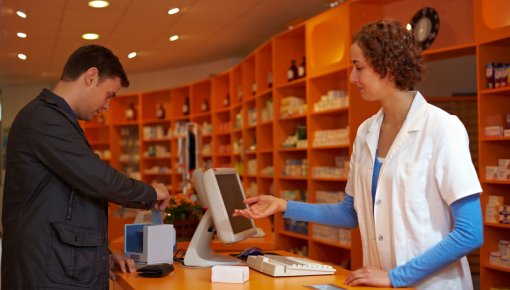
(392, 51)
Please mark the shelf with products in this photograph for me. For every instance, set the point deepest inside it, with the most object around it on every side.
(155, 106)
(125, 147)
(200, 96)
(125, 110)
(155, 165)
(289, 50)
(493, 36)
(180, 103)
(325, 86)
(97, 133)
(264, 68)
(237, 90)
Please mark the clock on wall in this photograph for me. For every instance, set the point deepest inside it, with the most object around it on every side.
(425, 26)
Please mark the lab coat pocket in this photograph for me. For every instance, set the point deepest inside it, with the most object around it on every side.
(413, 183)
(73, 253)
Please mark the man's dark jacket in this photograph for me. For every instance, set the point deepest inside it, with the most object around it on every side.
(55, 202)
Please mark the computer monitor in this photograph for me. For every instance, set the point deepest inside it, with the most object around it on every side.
(220, 190)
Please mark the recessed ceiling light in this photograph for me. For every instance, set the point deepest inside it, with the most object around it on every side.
(132, 54)
(174, 37)
(22, 56)
(98, 4)
(174, 11)
(21, 13)
(21, 35)
(90, 36)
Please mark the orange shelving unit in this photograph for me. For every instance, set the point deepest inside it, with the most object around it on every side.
(301, 153)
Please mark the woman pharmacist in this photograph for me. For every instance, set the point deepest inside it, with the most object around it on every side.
(411, 176)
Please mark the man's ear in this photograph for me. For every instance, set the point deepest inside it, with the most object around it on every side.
(91, 76)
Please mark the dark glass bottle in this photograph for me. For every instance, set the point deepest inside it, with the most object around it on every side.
(292, 71)
(185, 106)
(302, 68)
(160, 111)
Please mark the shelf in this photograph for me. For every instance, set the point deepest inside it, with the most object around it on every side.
(293, 117)
(265, 151)
(330, 111)
(294, 235)
(494, 225)
(294, 83)
(201, 115)
(507, 182)
(158, 174)
(95, 126)
(495, 139)
(156, 158)
(498, 91)
(292, 149)
(266, 176)
(99, 143)
(265, 123)
(329, 243)
(330, 147)
(330, 179)
(293, 177)
(450, 52)
(498, 268)
(126, 123)
(452, 99)
(156, 122)
(156, 140)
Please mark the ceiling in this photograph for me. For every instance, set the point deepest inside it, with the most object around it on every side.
(209, 30)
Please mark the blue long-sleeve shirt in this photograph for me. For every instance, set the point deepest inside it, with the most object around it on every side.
(466, 235)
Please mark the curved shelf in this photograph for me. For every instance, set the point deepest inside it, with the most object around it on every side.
(333, 244)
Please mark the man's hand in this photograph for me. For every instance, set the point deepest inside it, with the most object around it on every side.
(122, 264)
(163, 197)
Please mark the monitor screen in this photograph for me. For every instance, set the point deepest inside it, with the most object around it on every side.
(233, 197)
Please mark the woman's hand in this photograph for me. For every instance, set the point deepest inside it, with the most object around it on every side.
(369, 276)
(122, 264)
(261, 206)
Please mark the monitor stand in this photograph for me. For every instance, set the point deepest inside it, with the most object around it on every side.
(199, 252)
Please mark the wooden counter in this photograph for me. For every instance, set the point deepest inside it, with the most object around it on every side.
(200, 279)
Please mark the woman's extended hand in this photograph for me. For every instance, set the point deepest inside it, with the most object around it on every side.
(261, 206)
(369, 276)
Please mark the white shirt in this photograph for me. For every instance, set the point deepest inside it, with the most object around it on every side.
(427, 168)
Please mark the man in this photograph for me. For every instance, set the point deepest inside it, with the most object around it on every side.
(57, 190)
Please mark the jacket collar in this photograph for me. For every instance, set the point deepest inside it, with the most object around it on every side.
(413, 122)
(51, 98)
(58, 103)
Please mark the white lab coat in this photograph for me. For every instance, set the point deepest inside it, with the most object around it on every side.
(427, 168)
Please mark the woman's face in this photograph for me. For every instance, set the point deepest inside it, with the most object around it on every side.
(370, 84)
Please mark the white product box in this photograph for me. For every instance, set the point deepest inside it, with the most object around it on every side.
(230, 274)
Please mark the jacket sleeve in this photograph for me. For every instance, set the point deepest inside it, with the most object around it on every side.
(60, 146)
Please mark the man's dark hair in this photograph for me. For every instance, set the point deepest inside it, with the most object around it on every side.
(97, 56)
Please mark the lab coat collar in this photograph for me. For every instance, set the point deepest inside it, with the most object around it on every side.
(412, 123)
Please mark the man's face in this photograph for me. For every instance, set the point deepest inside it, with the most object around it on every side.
(98, 97)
